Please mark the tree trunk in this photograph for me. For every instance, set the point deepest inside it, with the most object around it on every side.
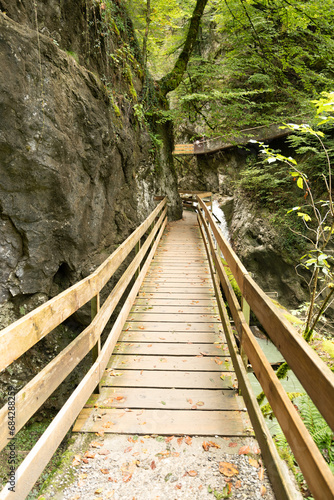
(173, 79)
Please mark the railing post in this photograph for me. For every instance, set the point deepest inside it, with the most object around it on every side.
(246, 312)
(94, 308)
(137, 249)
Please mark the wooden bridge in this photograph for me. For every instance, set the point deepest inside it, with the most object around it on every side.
(170, 353)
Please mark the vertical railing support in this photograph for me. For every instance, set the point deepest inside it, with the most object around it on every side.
(94, 308)
(137, 249)
(246, 312)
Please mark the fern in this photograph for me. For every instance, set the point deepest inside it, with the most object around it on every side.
(321, 433)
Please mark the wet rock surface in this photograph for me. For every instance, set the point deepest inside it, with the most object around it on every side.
(155, 467)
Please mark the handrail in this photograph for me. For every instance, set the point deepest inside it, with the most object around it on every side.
(32, 396)
(307, 365)
(18, 337)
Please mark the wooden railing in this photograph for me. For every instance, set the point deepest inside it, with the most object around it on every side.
(316, 378)
(19, 337)
(189, 198)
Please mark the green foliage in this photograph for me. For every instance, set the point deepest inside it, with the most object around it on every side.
(232, 280)
(320, 432)
(318, 428)
(266, 61)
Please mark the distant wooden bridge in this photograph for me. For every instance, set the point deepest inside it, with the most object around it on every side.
(171, 353)
(214, 144)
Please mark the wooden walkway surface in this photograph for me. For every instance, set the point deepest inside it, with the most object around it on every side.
(170, 372)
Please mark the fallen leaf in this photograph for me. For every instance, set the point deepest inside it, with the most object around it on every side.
(175, 454)
(82, 476)
(205, 446)
(141, 327)
(179, 440)
(192, 473)
(127, 478)
(108, 424)
(263, 490)
(76, 460)
(190, 401)
(89, 454)
(213, 444)
(244, 450)
(194, 407)
(153, 465)
(85, 460)
(253, 462)
(127, 450)
(163, 402)
(188, 440)
(200, 403)
(168, 439)
(103, 452)
(233, 445)
(178, 486)
(99, 490)
(104, 471)
(237, 484)
(218, 361)
(256, 450)
(228, 469)
(95, 444)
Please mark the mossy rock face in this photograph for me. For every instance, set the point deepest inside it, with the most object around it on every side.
(328, 346)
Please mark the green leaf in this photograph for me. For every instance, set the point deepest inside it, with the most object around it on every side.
(300, 183)
(306, 217)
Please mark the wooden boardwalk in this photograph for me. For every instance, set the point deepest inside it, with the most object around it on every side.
(170, 372)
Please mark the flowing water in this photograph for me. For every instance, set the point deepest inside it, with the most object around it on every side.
(222, 224)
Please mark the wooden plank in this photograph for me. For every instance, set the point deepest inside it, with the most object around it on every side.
(170, 273)
(191, 337)
(168, 362)
(170, 301)
(183, 317)
(169, 349)
(181, 380)
(18, 337)
(183, 422)
(163, 295)
(177, 283)
(180, 290)
(174, 399)
(171, 327)
(175, 278)
(168, 309)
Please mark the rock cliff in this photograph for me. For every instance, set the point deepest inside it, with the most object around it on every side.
(77, 172)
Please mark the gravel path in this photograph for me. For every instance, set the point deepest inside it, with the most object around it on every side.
(123, 467)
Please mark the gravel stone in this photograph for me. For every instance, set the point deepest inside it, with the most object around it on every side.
(147, 468)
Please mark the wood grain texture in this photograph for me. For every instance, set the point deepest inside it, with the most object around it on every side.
(168, 399)
(182, 422)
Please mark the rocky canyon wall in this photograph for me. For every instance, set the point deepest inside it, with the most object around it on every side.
(77, 171)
